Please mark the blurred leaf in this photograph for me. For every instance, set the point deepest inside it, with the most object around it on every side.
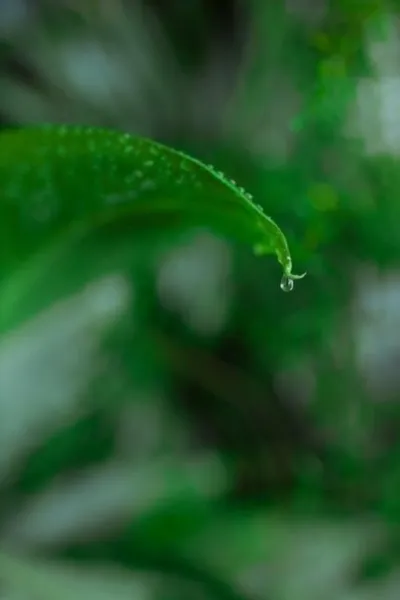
(47, 364)
(88, 504)
(48, 580)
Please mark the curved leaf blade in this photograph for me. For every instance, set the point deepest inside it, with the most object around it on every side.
(69, 179)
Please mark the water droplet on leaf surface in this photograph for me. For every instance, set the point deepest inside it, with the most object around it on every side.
(287, 284)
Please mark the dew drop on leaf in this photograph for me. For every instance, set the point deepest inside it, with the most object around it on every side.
(287, 284)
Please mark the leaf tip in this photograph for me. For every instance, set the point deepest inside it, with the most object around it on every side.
(288, 279)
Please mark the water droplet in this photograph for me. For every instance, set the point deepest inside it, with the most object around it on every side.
(287, 284)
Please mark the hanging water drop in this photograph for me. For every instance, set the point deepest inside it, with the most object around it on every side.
(287, 284)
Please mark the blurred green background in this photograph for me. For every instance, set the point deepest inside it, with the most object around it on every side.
(173, 426)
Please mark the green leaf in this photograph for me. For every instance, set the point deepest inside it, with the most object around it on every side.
(62, 182)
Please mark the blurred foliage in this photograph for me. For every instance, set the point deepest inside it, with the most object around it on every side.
(175, 426)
